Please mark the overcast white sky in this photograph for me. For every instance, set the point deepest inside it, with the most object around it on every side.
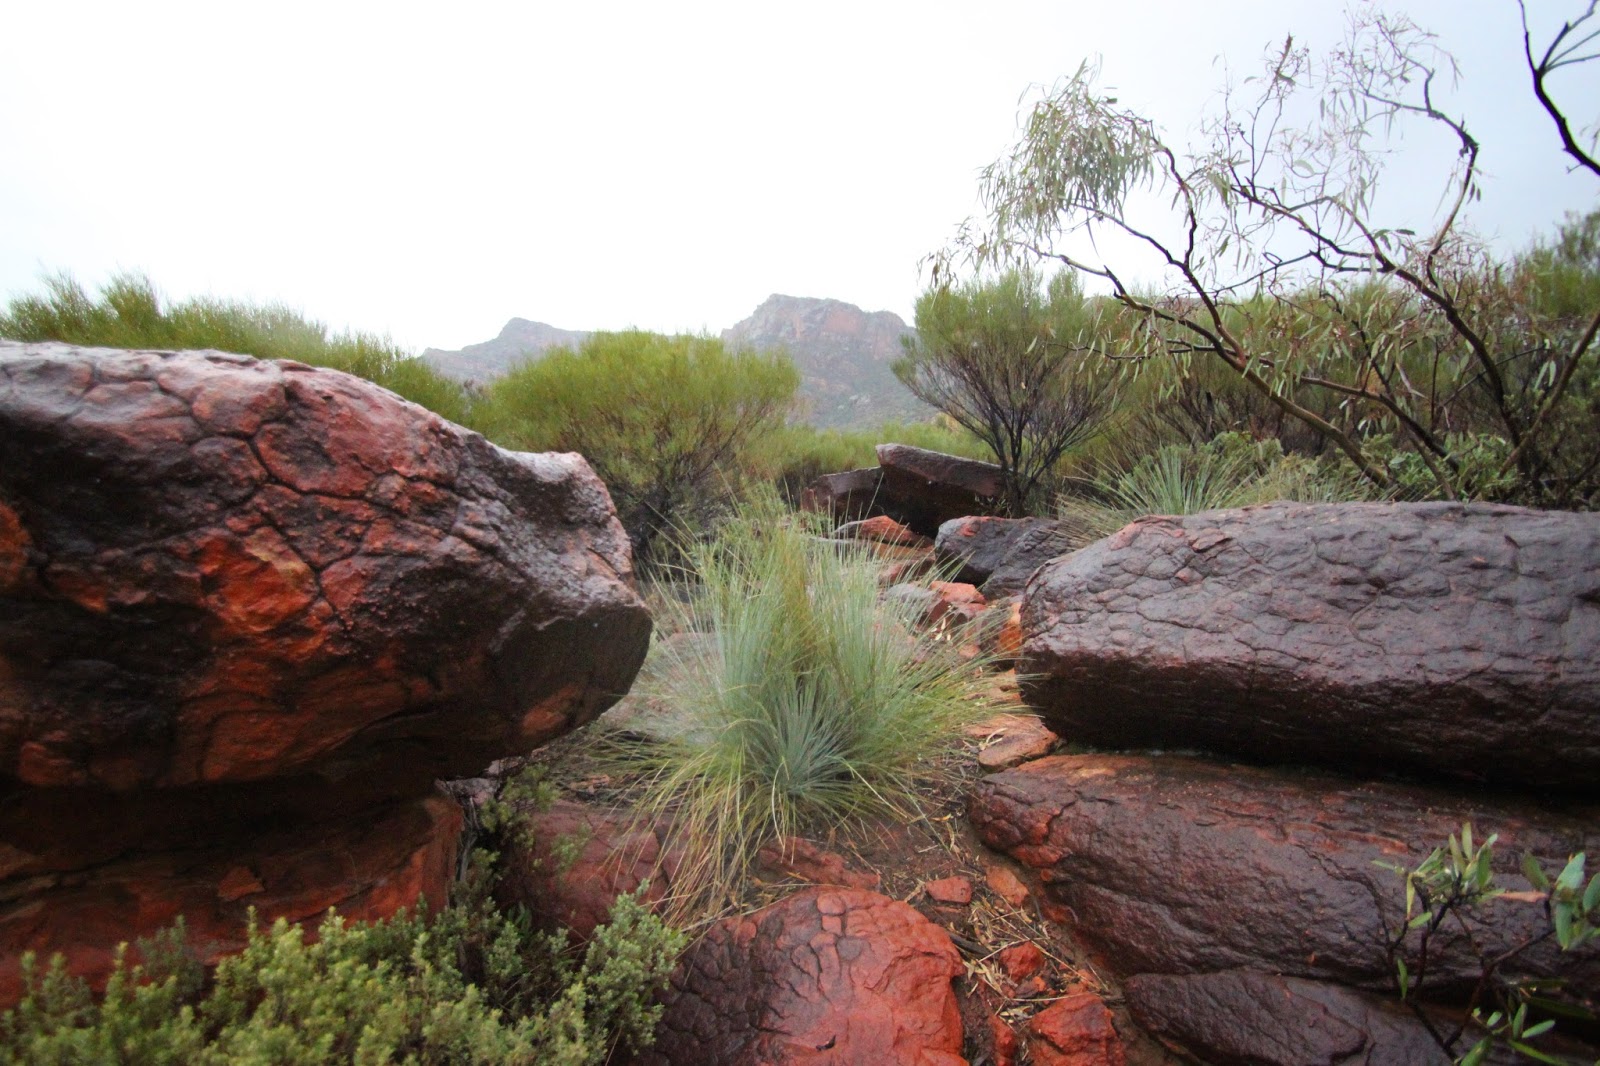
(430, 170)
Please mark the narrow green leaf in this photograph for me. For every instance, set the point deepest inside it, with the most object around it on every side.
(1572, 874)
(1535, 873)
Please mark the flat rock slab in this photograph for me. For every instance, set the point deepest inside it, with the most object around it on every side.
(825, 976)
(1171, 864)
(1448, 640)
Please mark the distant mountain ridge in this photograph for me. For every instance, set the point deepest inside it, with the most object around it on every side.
(844, 354)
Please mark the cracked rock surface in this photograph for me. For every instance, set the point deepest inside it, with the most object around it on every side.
(241, 598)
(828, 975)
(1176, 865)
(1442, 639)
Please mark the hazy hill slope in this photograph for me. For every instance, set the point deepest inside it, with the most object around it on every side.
(843, 353)
(519, 339)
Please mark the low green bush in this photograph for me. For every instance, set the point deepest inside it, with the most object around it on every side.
(130, 313)
(471, 985)
(807, 700)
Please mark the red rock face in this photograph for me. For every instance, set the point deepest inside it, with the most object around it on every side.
(1441, 639)
(237, 595)
(825, 976)
(1000, 554)
(924, 489)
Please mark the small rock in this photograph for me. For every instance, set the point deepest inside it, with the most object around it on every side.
(884, 530)
(1007, 885)
(949, 890)
(1075, 1031)
(1021, 961)
(1005, 1041)
(1017, 739)
(805, 861)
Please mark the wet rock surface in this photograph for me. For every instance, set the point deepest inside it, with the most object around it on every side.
(924, 489)
(828, 975)
(1000, 554)
(249, 611)
(1175, 865)
(1445, 639)
(1271, 1020)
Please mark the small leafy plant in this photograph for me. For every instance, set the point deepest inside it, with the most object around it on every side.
(1448, 884)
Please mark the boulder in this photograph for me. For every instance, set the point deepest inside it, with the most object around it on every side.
(1176, 865)
(1239, 1017)
(1442, 639)
(925, 489)
(249, 607)
(825, 976)
(1000, 554)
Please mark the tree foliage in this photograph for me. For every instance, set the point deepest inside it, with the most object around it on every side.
(1006, 361)
(669, 423)
(1274, 254)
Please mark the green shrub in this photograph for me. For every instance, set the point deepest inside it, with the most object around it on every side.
(1233, 470)
(808, 701)
(471, 986)
(671, 424)
(130, 313)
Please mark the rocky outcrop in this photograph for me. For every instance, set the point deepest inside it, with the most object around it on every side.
(828, 975)
(1000, 554)
(519, 340)
(1176, 865)
(848, 496)
(924, 489)
(1270, 1020)
(845, 357)
(1439, 638)
(246, 607)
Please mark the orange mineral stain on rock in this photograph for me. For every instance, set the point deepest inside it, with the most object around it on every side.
(14, 542)
(255, 583)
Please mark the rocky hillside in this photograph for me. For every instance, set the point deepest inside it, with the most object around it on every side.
(844, 355)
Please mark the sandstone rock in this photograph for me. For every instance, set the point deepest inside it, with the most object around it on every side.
(806, 861)
(825, 976)
(1021, 961)
(925, 489)
(1000, 554)
(956, 601)
(234, 569)
(883, 530)
(1013, 739)
(1007, 885)
(1176, 865)
(1074, 1031)
(249, 611)
(1269, 1020)
(368, 865)
(580, 860)
(1005, 1041)
(1440, 638)
(853, 494)
(955, 890)
(1002, 626)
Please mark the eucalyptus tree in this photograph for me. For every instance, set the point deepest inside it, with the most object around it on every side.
(1274, 254)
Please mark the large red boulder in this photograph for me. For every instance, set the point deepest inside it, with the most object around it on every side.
(1000, 554)
(1176, 865)
(828, 975)
(1442, 639)
(246, 602)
